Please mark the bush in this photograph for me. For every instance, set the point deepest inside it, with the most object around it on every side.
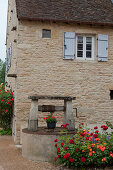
(6, 103)
(87, 148)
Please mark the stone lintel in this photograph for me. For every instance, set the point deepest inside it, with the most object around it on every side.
(68, 98)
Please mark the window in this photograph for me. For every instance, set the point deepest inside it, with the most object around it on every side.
(85, 47)
(111, 94)
(46, 33)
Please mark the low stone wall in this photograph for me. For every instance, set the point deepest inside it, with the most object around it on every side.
(39, 146)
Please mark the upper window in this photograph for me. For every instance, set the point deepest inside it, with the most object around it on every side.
(46, 33)
(85, 47)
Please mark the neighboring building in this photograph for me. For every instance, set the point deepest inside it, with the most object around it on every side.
(65, 48)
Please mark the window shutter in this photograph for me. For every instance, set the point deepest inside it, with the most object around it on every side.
(102, 47)
(69, 45)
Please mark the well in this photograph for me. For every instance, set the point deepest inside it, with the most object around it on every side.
(38, 142)
(40, 145)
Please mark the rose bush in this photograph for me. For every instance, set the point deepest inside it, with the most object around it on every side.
(86, 148)
(6, 103)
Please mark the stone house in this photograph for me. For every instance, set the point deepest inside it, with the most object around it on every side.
(65, 48)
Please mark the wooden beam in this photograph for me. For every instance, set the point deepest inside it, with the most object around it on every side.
(12, 75)
(50, 108)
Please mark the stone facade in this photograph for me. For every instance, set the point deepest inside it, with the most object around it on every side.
(41, 70)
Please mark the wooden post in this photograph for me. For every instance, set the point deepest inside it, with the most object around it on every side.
(33, 117)
(68, 115)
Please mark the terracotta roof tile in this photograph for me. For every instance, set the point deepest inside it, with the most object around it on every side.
(82, 11)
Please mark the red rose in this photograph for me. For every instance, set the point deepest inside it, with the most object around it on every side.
(110, 153)
(12, 99)
(55, 145)
(59, 156)
(102, 126)
(71, 141)
(82, 134)
(91, 134)
(55, 159)
(9, 104)
(71, 160)
(109, 146)
(105, 128)
(62, 144)
(96, 131)
(87, 138)
(83, 159)
(58, 150)
(65, 148)
(76, 150)
(95, 127)
(68, 155)
(82, 123)
(9, 100)
(55, 140)
(65, 157)
(95, 136)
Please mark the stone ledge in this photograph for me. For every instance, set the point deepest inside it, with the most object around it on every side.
(52, 97)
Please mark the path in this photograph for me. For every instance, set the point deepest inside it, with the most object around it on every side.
(11, 158)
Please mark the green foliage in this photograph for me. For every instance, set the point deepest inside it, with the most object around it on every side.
(2, 71)
(86, 148)
(6, 103)
(6, 132)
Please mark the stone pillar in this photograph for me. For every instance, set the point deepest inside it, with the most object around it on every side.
(68, 115)
(33, 117)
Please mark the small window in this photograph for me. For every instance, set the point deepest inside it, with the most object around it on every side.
(85, 47)
(46, 33)
(111, 94)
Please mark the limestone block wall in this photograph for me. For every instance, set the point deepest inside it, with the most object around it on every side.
(41, 70)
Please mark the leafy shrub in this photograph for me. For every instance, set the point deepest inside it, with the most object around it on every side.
(6, 103)
(6, 132)
(87, 148)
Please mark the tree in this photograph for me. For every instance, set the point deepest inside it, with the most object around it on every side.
(2, 71)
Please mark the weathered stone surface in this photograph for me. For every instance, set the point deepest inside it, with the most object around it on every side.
(41, 70)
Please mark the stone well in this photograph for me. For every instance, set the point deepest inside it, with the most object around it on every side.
(40, 145)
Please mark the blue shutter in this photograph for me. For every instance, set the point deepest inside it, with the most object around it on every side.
(69, 45)
(102, 47)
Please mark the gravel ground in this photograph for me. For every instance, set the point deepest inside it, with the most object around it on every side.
(11, 158)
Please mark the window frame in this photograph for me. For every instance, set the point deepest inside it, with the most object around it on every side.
(84, 47)
(46, 33)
